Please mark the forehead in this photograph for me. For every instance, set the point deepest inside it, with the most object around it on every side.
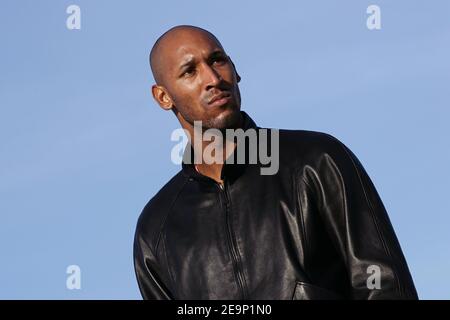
(189, 44)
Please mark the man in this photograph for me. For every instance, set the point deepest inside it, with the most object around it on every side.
(315, 229)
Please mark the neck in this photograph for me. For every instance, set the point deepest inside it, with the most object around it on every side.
(212, 152)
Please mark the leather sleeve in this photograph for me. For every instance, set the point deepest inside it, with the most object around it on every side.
(148, 271)
(359, 226)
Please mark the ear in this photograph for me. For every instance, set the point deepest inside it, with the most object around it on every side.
(162, 97)
(237, 74)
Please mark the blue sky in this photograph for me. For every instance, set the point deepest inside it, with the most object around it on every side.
(83, 145)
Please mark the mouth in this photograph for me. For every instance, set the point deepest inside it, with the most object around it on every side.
(219, 100)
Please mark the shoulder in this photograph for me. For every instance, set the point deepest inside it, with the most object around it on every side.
(306, 137)
(318, 155)
(311, 146)
(154, 213)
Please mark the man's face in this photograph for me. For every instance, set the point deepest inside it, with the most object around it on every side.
(200, 79)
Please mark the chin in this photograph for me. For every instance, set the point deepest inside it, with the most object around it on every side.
(227, 119)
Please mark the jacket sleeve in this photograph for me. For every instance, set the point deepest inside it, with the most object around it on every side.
(148, 271)
(358, 224)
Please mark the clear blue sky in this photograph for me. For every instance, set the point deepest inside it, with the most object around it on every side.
(83, 146)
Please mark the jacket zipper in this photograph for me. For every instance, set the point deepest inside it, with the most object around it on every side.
(231, 242)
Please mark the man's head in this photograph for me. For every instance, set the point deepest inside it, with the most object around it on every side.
(195, 78)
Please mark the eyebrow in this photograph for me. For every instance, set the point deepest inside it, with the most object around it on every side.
(191, 60)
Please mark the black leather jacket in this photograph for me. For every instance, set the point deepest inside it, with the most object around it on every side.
(311, 231)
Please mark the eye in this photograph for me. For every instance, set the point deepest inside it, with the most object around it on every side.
(220, 60)
(188, 72)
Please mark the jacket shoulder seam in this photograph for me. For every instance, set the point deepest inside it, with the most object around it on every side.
(375, 220)
(161, 228)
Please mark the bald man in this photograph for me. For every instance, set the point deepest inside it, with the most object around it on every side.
(314, 229)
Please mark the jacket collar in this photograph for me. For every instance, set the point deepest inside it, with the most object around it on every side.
(231, 171)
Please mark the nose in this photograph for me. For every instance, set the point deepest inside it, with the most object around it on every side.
(211, 77)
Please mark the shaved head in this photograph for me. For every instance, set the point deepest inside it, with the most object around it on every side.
(195, 78)
(159, 49)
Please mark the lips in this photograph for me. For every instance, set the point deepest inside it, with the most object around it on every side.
(222, 97)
